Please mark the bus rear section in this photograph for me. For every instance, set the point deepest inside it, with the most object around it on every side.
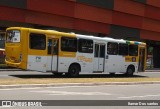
(13, 48)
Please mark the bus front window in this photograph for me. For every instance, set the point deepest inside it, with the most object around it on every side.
(13, 36)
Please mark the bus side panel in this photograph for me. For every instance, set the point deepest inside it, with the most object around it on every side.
(37, 54)
(64, 63)
(24, 51)
(37, 63)
(120, 63)
(85, 62)
(112, 63)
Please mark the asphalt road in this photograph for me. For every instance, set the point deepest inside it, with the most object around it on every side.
(108, 92)
(16, 73)
(112, 92)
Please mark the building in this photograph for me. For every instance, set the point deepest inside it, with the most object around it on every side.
(123, 19)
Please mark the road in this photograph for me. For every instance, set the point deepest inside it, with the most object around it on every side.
(16, 73)
(109, 92)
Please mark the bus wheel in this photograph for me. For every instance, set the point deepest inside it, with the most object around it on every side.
(58, 74)
(112, 74)
(73, 71)
(130, 71)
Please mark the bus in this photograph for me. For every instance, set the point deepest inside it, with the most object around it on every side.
(72, 54)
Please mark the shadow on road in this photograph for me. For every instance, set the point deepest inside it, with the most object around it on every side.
(80, 76)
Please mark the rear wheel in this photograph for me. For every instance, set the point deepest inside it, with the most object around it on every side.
(130, 71)
(73, 71)
(112, 74)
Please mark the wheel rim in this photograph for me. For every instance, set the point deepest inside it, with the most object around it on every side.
(73, 71)
(130, 71)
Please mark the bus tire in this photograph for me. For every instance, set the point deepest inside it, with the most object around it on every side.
(73, 70)
(112, 73)
(130, 70)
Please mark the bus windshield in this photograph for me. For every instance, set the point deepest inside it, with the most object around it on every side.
(13, 36)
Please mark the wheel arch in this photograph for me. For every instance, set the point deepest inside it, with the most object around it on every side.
(77, 64)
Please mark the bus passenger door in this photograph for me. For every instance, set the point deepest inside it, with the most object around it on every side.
(141, 59)
(54, 55)
(99, 57)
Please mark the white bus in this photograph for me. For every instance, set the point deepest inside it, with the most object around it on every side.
(72, 54)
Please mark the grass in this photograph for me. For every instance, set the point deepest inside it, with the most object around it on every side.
(73, 80)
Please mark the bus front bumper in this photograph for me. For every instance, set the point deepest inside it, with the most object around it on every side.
(12, 64)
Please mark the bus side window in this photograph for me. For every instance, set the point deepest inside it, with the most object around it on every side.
(112, 48)
(69, 44)
(133, 50)
(85, 46)
(37, 41)
(123, 49)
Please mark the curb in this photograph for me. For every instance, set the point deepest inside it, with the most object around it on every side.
(152, 71)
(10, 69)
(75, 84)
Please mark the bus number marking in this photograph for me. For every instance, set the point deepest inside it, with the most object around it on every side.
(38, 59)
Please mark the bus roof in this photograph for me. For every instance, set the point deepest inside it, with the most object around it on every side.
(101, 38)
(108, 39)
(43, 31)
(78, 35)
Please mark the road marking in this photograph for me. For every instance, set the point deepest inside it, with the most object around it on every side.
(141, 96)
(49, 92)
